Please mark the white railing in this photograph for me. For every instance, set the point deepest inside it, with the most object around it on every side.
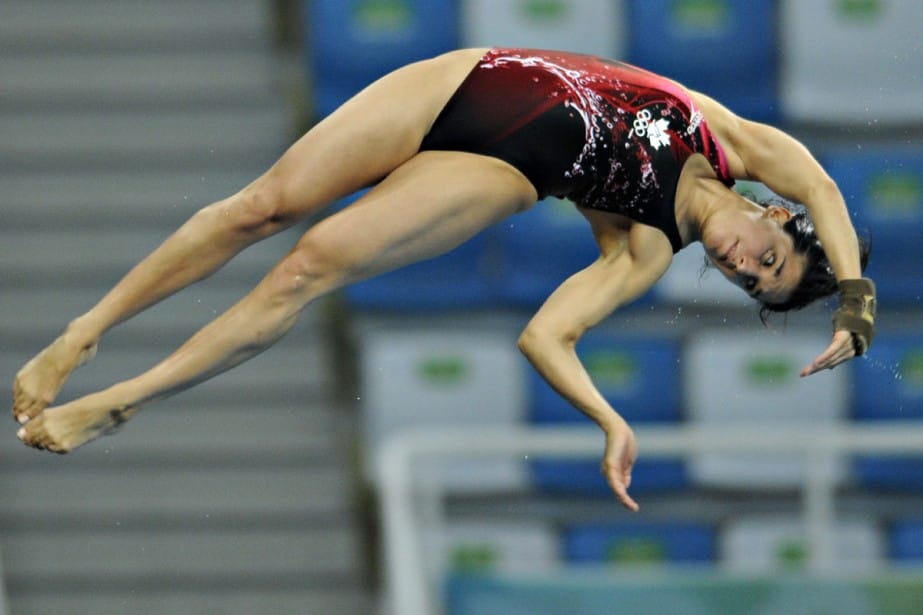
(407, 503)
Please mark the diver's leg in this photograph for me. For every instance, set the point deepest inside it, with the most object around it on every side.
(364, 140)
(427, 206)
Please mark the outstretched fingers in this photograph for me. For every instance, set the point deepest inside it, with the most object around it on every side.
(618, 461)
(840, 350)
(619, 481)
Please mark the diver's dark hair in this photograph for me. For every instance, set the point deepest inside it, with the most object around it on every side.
(818, 280)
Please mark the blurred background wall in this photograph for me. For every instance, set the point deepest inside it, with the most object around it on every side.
(255, 492)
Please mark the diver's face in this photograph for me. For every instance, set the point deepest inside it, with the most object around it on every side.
(755, 253)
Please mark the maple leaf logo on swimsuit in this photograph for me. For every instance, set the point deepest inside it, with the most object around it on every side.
(646, 126)
(657, 132)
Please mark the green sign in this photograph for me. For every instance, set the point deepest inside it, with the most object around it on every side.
(701, 15)
(792, 554)
(473, 558)
(859, 10)
(637, 550)
(768, 371)
(896, 193)
(911, 370)
(544, 10)
(611, 368)
(444, 370)
(383, 15)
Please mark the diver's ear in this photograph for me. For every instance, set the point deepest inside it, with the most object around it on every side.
(777, 213)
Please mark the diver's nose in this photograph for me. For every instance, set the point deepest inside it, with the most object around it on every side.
(737, 263)
(742, 266)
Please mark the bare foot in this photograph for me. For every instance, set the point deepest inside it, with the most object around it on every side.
(40, 380)
(64, 428)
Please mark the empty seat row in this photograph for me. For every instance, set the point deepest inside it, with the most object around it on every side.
(765, 60)
(470, 375)
(745, 544)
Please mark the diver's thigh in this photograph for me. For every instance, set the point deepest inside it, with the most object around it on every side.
(428, 206)
(372, 134)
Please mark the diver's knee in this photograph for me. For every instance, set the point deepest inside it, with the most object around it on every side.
(257, 211)
(308, 271)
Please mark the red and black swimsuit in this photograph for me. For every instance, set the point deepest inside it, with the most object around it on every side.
(604, 134)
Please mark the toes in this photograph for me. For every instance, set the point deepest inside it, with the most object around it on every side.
(23, 415)
(18, 401)
(38, 382)
(25, 409)
(26, 405)
(26, 437)
(64, 428)
(35, 435)
(20, 414)
(30, 435)
(30, 413)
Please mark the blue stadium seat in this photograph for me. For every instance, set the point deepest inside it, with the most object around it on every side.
(457, 280)
(350, 43)
(889, 387)
(725, 49)
(640, 543)
(889, 473)
(541, 248)
(640, 378)
(583, 478)
(906, 542)
(889, 383)
(883, 188)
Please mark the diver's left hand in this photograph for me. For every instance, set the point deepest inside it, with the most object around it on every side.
(839, 351)
(619, 459)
